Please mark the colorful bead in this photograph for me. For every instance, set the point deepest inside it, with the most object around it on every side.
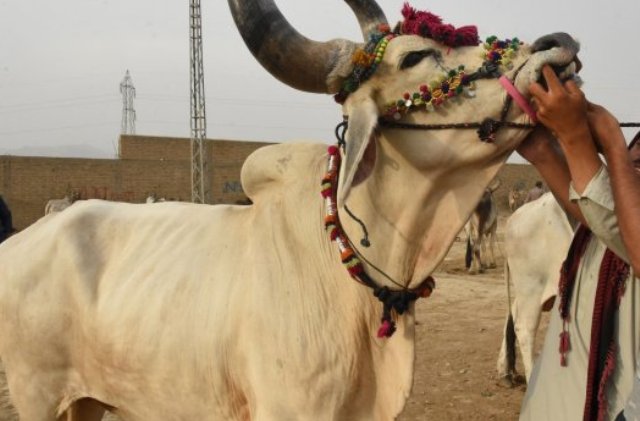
(454, 83)
(365, 61)
(429, 95)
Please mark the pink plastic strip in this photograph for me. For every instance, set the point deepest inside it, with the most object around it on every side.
(517, 97)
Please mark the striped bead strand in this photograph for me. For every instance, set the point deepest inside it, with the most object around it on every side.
(332, 224)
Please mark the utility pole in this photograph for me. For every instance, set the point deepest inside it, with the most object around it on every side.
(128, 91)
(198, 115)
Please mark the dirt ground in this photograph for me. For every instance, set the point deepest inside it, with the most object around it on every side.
(457, 343)
(458, 337)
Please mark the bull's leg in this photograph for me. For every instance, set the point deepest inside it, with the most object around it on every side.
(34, 394)
(507, 357)
(527, 318)
(477, 255)
(492, 247)
(30, 406)
(483, 253)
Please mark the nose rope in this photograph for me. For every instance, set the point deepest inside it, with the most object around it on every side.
(517, 97)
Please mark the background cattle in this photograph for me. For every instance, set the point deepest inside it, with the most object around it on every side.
(58, 205)
(537, 237)
(481, 229)
(516, 198)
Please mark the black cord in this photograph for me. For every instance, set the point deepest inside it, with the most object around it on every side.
(365, 240)
(341, 130)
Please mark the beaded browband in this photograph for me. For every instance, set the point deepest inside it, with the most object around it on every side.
(397, 301)
(425, 24)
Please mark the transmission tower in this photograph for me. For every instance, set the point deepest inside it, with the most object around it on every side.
(128, 91)
(198, 115)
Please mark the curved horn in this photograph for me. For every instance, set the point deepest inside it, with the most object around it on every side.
(369, 15)
(289, 56)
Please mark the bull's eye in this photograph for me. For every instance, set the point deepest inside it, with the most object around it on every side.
(414, 57)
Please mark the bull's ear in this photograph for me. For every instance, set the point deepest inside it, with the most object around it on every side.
(363, 119)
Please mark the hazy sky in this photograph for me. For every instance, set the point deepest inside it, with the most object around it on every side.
(61, 64)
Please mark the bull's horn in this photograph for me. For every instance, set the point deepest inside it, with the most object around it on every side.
(292, 58)
(369, 15)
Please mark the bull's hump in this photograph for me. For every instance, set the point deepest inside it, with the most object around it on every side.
(274, 167)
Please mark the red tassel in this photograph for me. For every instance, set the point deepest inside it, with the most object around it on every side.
(565, 346)
(355, 270)
(333, 234)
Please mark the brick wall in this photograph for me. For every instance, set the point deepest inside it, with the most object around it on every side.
(147, 165)
(150, 165)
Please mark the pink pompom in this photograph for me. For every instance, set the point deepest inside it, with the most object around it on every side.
(386, 329)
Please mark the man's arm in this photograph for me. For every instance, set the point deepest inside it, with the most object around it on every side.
(625, 181)
(543, 152)
(580, 128)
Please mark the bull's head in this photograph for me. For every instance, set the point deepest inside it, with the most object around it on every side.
(421, 185)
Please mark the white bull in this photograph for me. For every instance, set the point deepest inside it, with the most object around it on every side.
(194, 312)
(537, 237)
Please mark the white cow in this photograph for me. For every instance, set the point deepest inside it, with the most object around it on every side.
(537, 237)
(57, 205)
(180, 311)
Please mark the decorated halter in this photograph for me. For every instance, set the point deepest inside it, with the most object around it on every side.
(394, 301)
(498, 55)
(452, 85)
(427, 97)
(425, 24)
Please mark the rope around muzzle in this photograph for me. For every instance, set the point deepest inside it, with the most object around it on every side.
(486, 129)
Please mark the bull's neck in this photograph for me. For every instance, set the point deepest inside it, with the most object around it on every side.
(412, 216)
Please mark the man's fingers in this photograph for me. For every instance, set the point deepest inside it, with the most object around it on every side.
(550, 76)
(572, 87)
(537, 92)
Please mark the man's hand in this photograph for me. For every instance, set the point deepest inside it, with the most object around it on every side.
(562, 107)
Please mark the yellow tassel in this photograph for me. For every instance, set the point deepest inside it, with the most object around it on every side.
(360, 58)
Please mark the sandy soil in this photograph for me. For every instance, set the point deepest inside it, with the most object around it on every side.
(457, 343)
(458, 337)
